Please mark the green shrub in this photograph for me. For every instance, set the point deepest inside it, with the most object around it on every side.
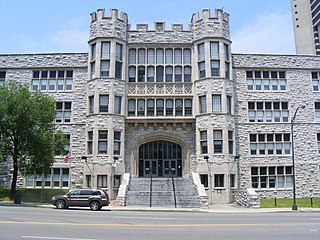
(35, 195)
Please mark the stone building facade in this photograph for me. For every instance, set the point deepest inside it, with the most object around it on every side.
(162, 103)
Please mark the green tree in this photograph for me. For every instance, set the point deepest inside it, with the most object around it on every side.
(27, 131)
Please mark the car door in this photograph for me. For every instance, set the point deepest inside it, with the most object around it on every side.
(84, 197)
(73, 198)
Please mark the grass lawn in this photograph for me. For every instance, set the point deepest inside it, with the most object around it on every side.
(287, 203)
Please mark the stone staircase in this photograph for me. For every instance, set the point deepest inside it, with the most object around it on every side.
(162, 193)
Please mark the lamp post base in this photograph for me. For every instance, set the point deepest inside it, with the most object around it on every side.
(294, 207)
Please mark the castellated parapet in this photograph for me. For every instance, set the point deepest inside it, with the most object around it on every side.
(108, 26)
(201, 26)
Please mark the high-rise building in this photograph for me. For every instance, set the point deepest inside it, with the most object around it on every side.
(306, 21)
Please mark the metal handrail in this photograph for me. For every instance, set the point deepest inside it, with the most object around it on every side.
(174, 189)
(151, 187)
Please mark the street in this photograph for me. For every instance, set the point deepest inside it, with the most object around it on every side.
(23, 223)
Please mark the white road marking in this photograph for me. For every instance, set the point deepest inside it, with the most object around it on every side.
(55, 238)
(145, 218)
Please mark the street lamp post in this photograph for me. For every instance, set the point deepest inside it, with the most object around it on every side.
(206, 157)
(294, 205)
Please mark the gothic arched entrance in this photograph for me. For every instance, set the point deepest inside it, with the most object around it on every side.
(160, 159)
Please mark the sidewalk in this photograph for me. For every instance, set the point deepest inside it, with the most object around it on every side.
(216, 208)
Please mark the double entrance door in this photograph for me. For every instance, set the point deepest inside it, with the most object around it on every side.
(160, 159)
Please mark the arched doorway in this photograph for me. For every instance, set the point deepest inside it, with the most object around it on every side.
(160, 159)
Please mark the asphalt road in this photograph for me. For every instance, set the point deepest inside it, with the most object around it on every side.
(25, 223)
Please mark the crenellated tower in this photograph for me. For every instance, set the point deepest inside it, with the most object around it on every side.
(106, 99)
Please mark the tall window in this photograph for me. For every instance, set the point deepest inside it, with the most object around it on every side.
(63, 112)
(116, 142)
(317, 110)
(90, 142)
(132, 56)
(117, 104)
(159, 73)
(102, 141)
(216, 103)
(230, 142)
(187, 56)
(169, 56)
(3, 78)
(229, 104)
(215, 68)
(214, 50)
(226, 52)
(177, 56)
(217, 141)
(105, 59)
(150, 107)
(203, 104)
(178, 74)
(160, 107)
(141, 56)
(150, 56)
(188, 107)
(93, 52)
(204, 142)
(102, 181)
(91, 104)
(104, 103)
(169, 107)
(187, 74)
(118, 67)
(141, 107)
(219, 180)
(169, 74)
(131, 107)
(315, 81)
(179, 107)
(318, 141)
(201, 60)
(160, 56)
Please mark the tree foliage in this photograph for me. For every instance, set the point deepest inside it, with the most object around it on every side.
(27, 130)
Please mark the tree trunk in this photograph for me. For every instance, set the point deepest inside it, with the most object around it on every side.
(14, 177)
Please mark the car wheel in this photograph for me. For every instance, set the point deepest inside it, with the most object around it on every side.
(60, 204)
(94, 205)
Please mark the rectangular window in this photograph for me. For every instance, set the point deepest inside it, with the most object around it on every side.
(201, 52)
(50, 80)
(219, 180)
(160, 56)
(141, 56)
(317, 111)
(57, 178)
(141, 107)
(187, 74)
(169, 107)
(132, 56)
(105, 68)
(268, 112)
(150, 107)
(93, 52)
(204, 180)
(177, 56)
(102, 181)
(230, 142)
(179, 107)
(105, 50)
(117, 105)
(150, 56)
(229, 104)
(214, 50)
(270, 144)
(216, 103)
(203, 104)
(131, 107)
(103, 103)
(116, 142)
(187, 56)
(63, 112)
(188, 107)
(215, 68)
(271, 177)
(266, 81)
(90, 142)
(3, 78)
(160, 107)
(91, 104)
(318, 141)
(102, 141)
(217, 141)
(226, 52)
(202, 69)
(204, 142)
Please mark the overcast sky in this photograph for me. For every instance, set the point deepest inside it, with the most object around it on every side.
(45, 26)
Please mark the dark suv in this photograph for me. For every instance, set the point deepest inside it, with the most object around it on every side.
(93, 198)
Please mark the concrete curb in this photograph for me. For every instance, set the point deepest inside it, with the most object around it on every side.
(220, 208)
